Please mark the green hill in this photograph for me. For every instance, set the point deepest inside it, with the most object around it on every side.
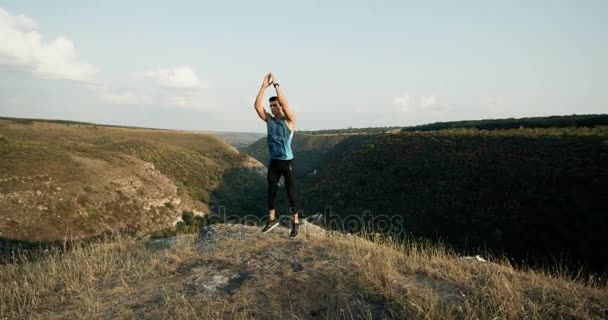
(535, 194)
(63, 179)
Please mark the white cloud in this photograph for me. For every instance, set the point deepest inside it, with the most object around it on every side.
(405, 102)
(125, 98)
(182, 77)
(191, 99)
(185, 90)
(22, 45)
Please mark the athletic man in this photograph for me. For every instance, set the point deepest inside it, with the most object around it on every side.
(280, 125)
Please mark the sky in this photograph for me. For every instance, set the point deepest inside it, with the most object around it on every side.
(198, 65)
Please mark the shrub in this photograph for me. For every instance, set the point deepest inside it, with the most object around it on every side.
(188, 218)
(181, 226)
(193, 221)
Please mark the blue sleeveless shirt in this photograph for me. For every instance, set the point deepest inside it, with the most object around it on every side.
(279, 139)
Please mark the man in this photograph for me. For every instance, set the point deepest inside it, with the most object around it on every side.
(280, 125)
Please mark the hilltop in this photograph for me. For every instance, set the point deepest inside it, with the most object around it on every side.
(236, 272)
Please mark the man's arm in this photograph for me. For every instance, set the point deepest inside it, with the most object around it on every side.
(258, 100)
(289, 114)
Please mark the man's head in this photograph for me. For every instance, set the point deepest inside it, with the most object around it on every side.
(275, 106)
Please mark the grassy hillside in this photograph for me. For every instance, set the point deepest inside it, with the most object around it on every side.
(537, 195)
(236, 272)
(71, 180)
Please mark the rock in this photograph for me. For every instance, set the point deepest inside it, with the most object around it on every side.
(38, 192)
(58, 189)
(475, 258)
(148, 166)
(41, 207)
(206, 232)
(318, 219)
(209, 282)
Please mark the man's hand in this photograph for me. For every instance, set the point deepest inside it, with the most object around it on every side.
(258, 100)
(273, 78)
(266, 82)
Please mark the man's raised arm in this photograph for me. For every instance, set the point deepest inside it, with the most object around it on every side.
(289, 115)
(258, 100)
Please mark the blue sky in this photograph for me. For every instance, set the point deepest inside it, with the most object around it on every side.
(197, 65)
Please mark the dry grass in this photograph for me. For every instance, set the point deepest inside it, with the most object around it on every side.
(430, 282)
(238, 273)
(70, 284)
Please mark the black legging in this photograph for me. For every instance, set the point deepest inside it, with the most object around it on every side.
(276, 168)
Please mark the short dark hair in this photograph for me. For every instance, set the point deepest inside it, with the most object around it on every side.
(273, 98)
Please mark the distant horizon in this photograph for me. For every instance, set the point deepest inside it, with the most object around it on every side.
(328, 129)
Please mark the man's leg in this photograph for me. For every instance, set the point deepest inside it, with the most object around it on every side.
(274, 173)
(290, 186)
